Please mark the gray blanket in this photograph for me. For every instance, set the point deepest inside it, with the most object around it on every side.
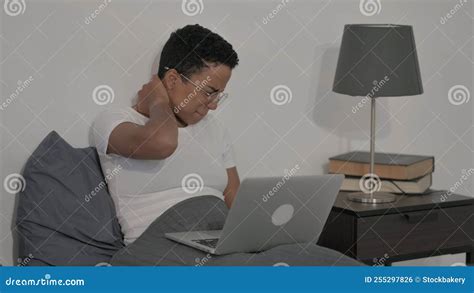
(209, 213)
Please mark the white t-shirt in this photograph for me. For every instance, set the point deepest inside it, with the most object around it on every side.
(144, 189)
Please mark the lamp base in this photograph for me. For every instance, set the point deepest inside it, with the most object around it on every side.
(374, 198)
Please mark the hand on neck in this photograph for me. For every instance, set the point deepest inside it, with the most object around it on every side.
(179, 121)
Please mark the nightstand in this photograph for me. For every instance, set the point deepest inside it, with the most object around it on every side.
(414, 226)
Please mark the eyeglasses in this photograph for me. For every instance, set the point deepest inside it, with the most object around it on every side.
(214, 97)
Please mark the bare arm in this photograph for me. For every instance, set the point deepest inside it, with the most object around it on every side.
(158, 138)
(233, 184)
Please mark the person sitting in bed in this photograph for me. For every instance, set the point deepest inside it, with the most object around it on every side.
(168, 147)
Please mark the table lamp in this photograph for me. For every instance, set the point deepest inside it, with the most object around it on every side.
(377, 60)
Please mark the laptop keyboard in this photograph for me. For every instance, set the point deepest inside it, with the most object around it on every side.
(211, 242)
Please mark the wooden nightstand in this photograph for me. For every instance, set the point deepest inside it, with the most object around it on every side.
(413, 227)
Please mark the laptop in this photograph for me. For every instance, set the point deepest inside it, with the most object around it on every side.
(270, 211)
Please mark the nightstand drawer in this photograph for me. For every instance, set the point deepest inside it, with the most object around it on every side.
(412, 232)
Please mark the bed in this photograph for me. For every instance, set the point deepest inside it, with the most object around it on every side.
(66, 217)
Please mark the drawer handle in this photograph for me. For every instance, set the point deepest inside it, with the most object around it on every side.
(418, 217)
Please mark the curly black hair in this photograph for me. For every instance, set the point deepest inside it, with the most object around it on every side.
(189, 47)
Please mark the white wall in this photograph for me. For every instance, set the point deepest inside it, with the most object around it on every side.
(67, 58)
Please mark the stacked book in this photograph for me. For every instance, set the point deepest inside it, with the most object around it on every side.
(398, 173)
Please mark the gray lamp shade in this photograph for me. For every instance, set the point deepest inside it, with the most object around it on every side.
(378, 60)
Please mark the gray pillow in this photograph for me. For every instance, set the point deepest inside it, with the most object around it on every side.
(65, 214)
